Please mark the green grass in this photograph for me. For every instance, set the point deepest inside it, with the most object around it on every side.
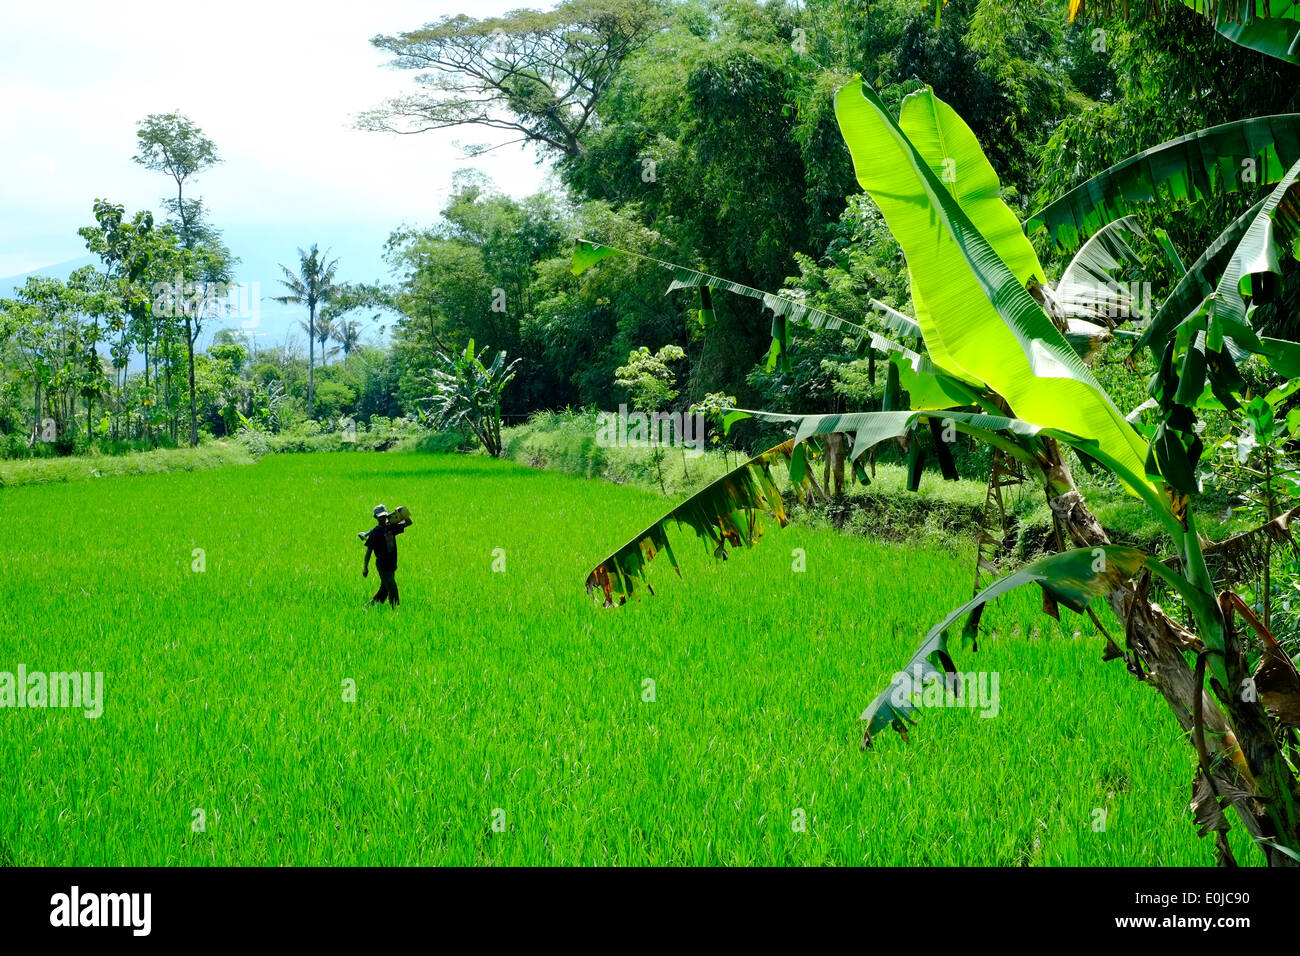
(39, 471)
(512, 691)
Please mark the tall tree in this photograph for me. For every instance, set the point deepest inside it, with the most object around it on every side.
(95, 299)
(538, 75)
(312, 286)
(171, 143)
(210, 263)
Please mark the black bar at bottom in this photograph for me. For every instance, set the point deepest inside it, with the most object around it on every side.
(335, 906)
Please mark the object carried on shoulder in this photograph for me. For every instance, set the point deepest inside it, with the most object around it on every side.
(401, 514)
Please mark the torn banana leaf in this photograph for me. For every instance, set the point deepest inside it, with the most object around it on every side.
(725, 513)
(784, 309)
(1278, 683)
(897, 321)
(1250, 275)
(1190, 168)
(1012, 435)
(1073, 578)
(896, 706)
(1094, 287)
(1196, 284)
(1244, 554)
(871, 428)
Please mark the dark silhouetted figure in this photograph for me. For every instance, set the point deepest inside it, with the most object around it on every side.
(381, 541)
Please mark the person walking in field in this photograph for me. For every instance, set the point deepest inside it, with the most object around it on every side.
(381, 541)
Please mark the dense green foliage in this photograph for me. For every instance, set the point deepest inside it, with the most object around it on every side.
(711, 142)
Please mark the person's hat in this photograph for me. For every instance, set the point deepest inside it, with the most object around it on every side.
(380, 511)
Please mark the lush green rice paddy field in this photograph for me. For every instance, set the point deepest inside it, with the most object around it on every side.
(501, 717)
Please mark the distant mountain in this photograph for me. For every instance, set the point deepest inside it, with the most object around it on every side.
(60, 270)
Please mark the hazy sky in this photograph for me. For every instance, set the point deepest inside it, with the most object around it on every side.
(276, 84)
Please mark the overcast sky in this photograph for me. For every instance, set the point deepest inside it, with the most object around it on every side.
(276, 84)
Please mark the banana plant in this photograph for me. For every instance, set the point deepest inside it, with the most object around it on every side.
(463, 392)
(995, 361)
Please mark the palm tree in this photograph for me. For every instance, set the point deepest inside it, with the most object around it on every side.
(348, 335)
(312, 286)
(324, 331)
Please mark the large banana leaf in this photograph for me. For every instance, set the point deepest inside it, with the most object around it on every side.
(1196, 284)
(1226, 313)
(971, 307)
(1011, 435)
(1271, 27)
(1073, 578)
(1094, 285)
(950, 148)
(1276, 34)
(726, 512)
(1190, 167)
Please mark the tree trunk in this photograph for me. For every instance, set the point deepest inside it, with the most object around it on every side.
(147, 423)
(833, 471)
(1253, 774)
(167, 387)
(194, 412)
(311, 362)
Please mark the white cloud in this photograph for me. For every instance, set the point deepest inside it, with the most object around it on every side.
(275, 84)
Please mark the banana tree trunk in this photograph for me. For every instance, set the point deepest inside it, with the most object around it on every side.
(1247, 767)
